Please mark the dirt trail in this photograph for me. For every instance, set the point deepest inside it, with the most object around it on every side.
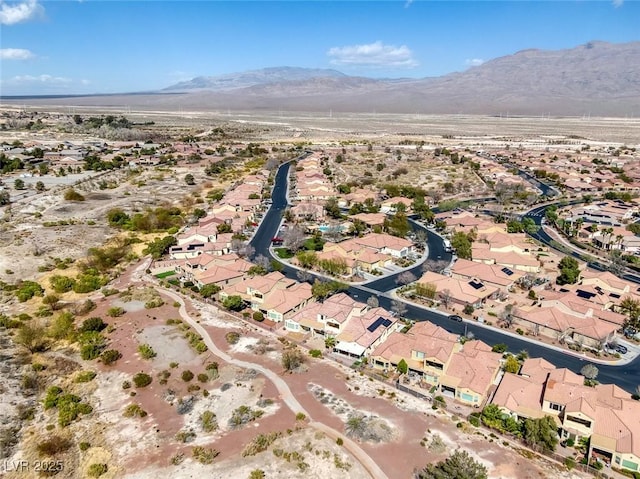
(356, 451)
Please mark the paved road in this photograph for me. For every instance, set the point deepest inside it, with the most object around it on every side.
(283, 389)
(627, 376)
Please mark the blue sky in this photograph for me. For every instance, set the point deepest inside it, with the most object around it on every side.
(88, 46)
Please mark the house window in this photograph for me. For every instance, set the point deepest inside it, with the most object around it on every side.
(292, 325)
(579, 420)
(555, 407)
(419, 354)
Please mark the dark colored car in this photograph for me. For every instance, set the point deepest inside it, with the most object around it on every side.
(455, 317)
(621, 349)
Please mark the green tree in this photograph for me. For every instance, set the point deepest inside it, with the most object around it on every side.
(18, 184)
(40, 186)
(398, 224)
(541, 432)
(208, 290)
(461, 243)
(189, 179)
(233, 303)
(160, 246)
(332, 208)
(569, 271)
(460, 465)
(511, 364)
(403, 367)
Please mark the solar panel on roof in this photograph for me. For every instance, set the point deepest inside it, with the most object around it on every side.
(377, 323)
(507, 271)
(476, 284)
(585, 294)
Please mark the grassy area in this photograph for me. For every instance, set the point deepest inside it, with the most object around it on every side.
(283, 253)
(166, 274)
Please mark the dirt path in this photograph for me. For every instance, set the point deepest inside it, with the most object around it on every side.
(292, 403)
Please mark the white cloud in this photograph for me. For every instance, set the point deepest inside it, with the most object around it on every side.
(474, 62)
(374, 55)
(15, 54)
(408, 3)
(49, 79)
(617, 3)
(11, 13)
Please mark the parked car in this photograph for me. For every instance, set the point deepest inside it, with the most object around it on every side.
(621, 349)
(455, 317)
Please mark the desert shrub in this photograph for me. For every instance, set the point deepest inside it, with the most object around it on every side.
(315, 353)
(146, 351)
(142, 380)
(185, 405)
(203, 378)
(89, 281)
(204, 456)
(260, 443)
(339, 441)
(32, 337)
(92, 324)
(61, 284)
(73, 195)
(154, 303)
(62, 327)
(232, 337)
(570, 463)
(208, 421)
(110, 356)
(84, 307)
(91, 344)
(134, 410)
(292, 359)
(187, 375)
(84, 376)
(115, 311)
(84, 446)
(97, 470)
(27, 290)
(257, 474)
(243, 415)
(185, 436)
(258, 316)
(126, 384)
(53, 446)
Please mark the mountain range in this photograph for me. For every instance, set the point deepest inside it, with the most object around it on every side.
(597, 78)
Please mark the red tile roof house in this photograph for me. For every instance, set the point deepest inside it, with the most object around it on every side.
(362, 333)
(189, 268)
(466, 372)
(501, 277)
(281, 304)
(457, 291)
(472, 374)
(326, 318)
(552, 322)
(605, 413)
(426, 348)
(254, 290)
(218, 275)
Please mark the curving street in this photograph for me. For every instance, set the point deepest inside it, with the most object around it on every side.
(626, 376)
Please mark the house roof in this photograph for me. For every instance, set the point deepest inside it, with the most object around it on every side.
(495, 274)
(365, 330)
(434, 341)
(520, 394)
(460, 290)
(474, 367)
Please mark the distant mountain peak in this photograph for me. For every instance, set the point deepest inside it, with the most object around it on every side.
(250, 78)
